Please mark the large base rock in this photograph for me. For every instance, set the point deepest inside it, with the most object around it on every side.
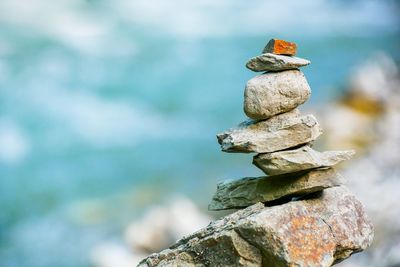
(313, 232)
(278, 133)
(303, 158)
(248, 191)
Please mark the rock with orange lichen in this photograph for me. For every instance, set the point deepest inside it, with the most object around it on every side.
(280, 47)
(319, 231)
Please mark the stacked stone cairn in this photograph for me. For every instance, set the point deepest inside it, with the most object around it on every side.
(299, 214)
(280, 135)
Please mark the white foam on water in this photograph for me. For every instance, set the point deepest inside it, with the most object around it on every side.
(225, 17)
(66, 22)
(84, 28)
(14, 143)
(105, 122)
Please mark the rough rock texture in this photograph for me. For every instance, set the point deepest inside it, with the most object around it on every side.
(280, 132)
(272, 93)
(313, 232)
(250, 190)
(272, 62)
(280, 47)
(299, 159)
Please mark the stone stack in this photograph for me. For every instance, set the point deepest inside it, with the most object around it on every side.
(299, 214)
(279, 134)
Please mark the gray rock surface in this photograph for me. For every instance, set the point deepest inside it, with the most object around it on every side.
(272, 93)
(314, 232)
(280, 132)
(233, 194)
(303, 158)
(272, 62)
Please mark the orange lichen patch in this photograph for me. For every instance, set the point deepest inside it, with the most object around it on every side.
(310, 241)
(280, 47)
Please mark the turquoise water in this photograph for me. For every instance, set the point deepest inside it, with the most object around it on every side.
(98, 123)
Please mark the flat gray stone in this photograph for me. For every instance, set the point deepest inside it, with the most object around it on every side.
(233, 194)
(272, 62)
(272, 93)
(280, 132)
(303, 158)
(316, 232)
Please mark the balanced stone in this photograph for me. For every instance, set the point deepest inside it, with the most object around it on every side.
(299, 159)
(250, 190)
(272, 93)
(319, 231)
(280, 47)
(278, 133)
(272, 62)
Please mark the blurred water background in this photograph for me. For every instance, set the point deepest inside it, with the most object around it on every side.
(108, 107)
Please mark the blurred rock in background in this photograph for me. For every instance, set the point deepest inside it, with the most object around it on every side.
(372, 95)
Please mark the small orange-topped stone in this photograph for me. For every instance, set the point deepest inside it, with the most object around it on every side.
(280, 47)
